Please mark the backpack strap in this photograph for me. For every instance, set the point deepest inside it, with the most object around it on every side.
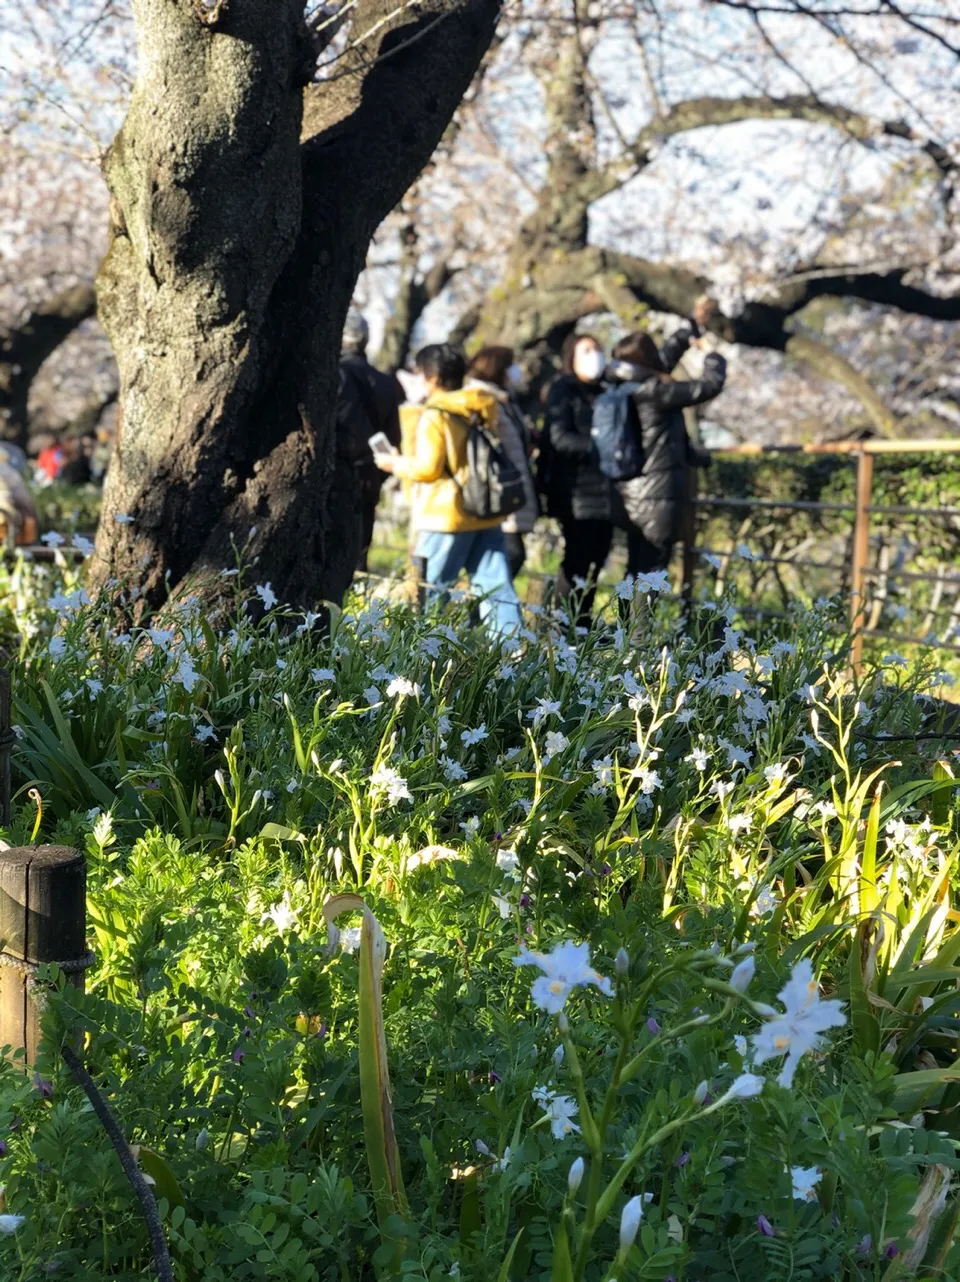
(468, 420)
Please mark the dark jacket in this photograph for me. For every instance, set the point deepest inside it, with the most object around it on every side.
(367, 403)
(654, 501)
(568, 474)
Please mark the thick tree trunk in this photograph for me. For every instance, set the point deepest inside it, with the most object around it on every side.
(234, 251)
(23, 351)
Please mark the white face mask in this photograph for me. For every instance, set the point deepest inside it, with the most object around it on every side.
(416, 388)
(515, 378)
(589, 364)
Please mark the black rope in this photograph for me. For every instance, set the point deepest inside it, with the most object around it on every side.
(148, 1204)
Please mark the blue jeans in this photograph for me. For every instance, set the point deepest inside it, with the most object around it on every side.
(483, 554)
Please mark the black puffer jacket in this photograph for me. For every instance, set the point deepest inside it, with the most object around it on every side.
(568, 474)
(655, 500)
(367, 402)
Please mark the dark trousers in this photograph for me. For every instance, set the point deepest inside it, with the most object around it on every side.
(586, 546)
(516, 553)
(644, 556)
(369, 498)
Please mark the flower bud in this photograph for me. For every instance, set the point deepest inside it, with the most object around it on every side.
(203, 1138)
(765, 1011)
(575, 1176)
(700, 1094)
(563, 1024)
(630, 1219)
(621, 963)
(743, 974)
(482, 1149)
(746, 1086)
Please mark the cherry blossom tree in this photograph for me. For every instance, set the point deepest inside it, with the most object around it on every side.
(779, 157)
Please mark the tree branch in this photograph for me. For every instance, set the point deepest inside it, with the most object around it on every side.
(887, 9)
(830, 364)
(369, 134)
(700, 113)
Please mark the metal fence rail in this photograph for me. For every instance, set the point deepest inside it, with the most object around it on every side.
(857, 560)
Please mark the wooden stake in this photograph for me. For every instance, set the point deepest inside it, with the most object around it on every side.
(42, 920)
(419, 564)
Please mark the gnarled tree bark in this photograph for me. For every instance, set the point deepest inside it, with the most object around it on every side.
(241, 214)
(24, 349)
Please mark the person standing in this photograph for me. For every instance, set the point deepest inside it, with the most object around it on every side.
(450, 538)
(655, 501)
(493, 370)
(577, 493)
(367, 403)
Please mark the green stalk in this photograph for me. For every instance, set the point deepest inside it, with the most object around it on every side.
(605, 1205)
(631, 1070)
(383, 1154)
(595, 1177)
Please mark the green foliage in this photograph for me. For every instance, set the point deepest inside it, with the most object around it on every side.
(692, 795)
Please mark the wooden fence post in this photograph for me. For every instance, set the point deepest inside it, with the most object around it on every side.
(419, 564)
(42, 919)
(859, 558)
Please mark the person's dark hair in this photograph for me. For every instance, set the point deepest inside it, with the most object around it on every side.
(639, 348)
(491, 364)
(442, 363)
(569, 347)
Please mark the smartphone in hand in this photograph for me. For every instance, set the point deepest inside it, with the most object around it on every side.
(380, 444)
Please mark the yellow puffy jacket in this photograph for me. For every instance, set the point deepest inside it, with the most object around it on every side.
(439, 460)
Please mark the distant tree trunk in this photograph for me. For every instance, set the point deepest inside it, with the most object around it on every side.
(415, 290)
(24, 349)
(241, 212)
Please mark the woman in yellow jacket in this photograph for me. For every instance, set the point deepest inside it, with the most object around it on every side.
(451, 539)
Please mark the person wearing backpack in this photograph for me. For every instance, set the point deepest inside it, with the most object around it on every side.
(577, 493)
(464, 488)
(494, 370)
(655, 496)
(367, 403)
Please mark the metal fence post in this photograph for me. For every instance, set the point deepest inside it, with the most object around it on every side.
(42, 919)
(859, 557)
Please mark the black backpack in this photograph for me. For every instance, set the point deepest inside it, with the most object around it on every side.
(494, 486)
(616, 433)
